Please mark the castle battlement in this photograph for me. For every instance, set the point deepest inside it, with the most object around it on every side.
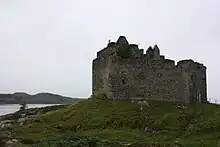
(140, 74)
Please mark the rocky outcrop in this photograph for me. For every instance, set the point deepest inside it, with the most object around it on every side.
(5, 133)
(26, 117)
(12, 143)
(6, 125)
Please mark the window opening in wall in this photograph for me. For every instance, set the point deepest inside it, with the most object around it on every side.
(123, 81)
(113, 60)
(198, 97)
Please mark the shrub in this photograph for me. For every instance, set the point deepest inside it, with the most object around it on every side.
(124, 51)
(70, 141)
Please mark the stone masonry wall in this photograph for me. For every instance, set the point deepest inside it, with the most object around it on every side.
(148, 75)
(197, 79)
(132, 79)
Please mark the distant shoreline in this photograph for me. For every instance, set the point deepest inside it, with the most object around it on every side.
(40, 98)
(10, 110)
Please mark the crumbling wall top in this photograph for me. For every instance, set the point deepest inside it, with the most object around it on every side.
(122, 46)
(122, 40)
(190, 64)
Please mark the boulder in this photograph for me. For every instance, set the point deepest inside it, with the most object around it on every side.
(6, 122)
(12, 143)
(6, 126)
(152, 130)
(22, 120)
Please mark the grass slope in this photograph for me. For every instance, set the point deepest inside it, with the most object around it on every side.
(122, 121)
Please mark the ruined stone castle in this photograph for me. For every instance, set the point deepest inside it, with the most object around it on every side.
(123, 71)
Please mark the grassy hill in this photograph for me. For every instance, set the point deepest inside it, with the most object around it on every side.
(40, 98)
(125, 122)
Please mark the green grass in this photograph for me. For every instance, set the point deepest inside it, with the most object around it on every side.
(123, 122)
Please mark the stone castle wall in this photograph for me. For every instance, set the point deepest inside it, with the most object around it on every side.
(149, 75)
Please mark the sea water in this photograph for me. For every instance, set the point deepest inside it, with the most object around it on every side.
(11, 108)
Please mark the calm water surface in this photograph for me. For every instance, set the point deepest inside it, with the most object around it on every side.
(10, 108)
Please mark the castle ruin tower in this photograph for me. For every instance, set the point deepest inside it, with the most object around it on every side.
(123, 71)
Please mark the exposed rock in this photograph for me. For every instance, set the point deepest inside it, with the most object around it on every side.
(6, 126)
(31, 111)
(152, 130)
(23, 115)
(27, 119)
(144, 102)
(6, 122)
(176, 143)
(181, 107)
(12, 143)
(21, 121)
(141, 108)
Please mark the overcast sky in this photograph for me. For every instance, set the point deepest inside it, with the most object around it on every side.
(49, 45)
